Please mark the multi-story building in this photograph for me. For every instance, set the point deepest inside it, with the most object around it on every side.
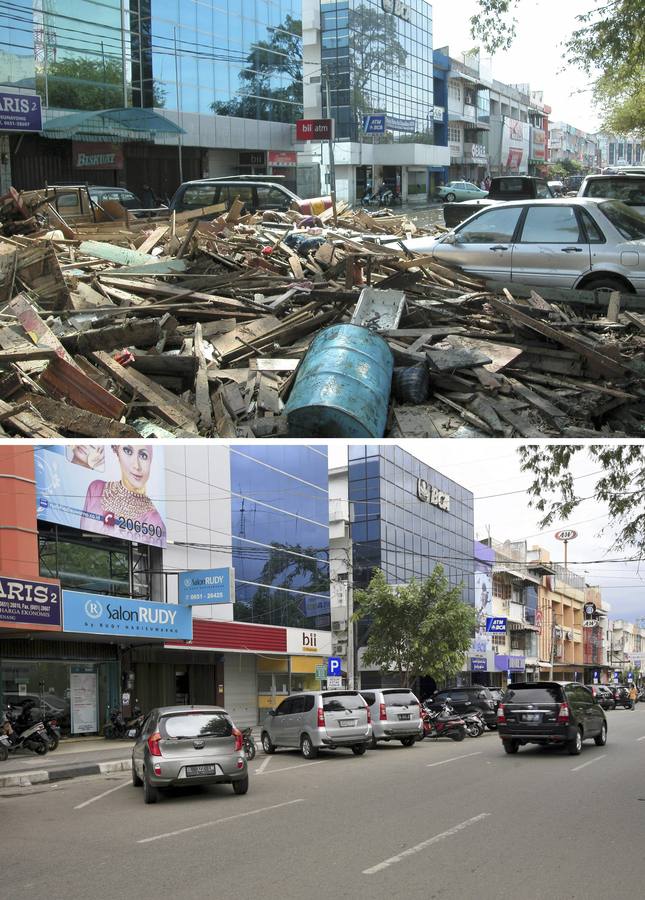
(621, 150)
(391, 511)
(221, 84)
(210, 586)
(627, 649)
(373, 58)
(569, 143)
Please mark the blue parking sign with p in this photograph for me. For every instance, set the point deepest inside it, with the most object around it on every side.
(334, 666)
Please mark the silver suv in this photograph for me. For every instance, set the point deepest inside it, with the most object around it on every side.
(319, 719)
(396, 715)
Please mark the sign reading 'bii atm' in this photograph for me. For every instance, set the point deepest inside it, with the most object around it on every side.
(206, 586)
(314, 129)
(99, 614)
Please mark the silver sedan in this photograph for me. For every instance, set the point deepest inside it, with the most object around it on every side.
(571, 243)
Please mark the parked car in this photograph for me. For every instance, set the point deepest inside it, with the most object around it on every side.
(503, 189)
(550, 712)
(315, 720)
(181, 745)
(257, 193)
(460, 190)
(629, 189)
(497, 694)
(477, 698)
(395, 714)
(603, 694)
(556, 188)
(571, 243)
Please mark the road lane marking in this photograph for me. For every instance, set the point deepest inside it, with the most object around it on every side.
(265, 762)
(591, 761)
(298, 766)
(252, 812)
(453, 758)
(433, 840)
(104, 794)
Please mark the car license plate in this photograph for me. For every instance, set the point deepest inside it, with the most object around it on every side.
(404, 716)
(193, 771)
(532, 717)
(345, 723)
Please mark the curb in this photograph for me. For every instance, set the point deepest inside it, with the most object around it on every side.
(27, 779)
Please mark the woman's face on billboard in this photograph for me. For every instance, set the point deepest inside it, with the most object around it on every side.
(135, 465)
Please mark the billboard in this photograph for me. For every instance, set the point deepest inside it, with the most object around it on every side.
(20, 112)
(122, 616)
(117, 490)
(206, 586)
(96, 155)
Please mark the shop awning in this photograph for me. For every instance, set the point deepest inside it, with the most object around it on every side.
(127, 124)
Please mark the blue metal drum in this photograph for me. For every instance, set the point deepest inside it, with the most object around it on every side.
(342, 387)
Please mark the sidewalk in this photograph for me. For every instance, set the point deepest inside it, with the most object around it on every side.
(73, 758)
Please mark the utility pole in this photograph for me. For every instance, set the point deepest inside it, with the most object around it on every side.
(332, 166)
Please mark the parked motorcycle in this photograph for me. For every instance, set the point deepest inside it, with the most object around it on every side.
(53, 733)
(621, 696)
(33, 738)
(248, 743)
(443, 723)
(118, 728)
(475, 725)
(24, 720)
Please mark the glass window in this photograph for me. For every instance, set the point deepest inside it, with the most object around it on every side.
(196, 724)
(491, 226)
(629, 224)
(551, 225)
(297, 705)
(338, 702)
(550, 694)
(272, 198)
(400, 698)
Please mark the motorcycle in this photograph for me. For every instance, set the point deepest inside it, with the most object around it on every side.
(117, 728)
(53, 733)
(621, 696)
(442, 723)
(34, 737)
(24, 721)
(248, 743)
(475, 725)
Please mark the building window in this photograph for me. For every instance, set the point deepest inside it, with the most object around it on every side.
(454, 134)
(502, 588)
(454, 90)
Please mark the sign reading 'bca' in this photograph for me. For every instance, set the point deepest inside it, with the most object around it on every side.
(496, 625)
(314, 130)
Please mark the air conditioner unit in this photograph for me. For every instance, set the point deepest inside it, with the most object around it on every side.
(558, 631)
(339, 625)
(569, 635)
(341, 648)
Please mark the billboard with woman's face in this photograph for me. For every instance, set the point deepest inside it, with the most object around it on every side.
(116, 490)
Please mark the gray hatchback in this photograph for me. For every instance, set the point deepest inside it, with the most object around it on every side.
(181, 745)
(319, 719)
(396, 715)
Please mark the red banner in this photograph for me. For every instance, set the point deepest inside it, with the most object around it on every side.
(96, 155)
(282, 157)
(313, 129)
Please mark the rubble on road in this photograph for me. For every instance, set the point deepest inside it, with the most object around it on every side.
(187, 326)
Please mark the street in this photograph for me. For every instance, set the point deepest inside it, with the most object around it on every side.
(438, 820)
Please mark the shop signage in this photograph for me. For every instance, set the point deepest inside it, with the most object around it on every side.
(514, 158)
(394, 124)
(206, 586)
(20, 113)
(496, 624)
(100, 614)
(509, 663)
(396, 8)
(282, 157)
(433, 495)
(374, 124)
(438, 113)
(30, 604)
(478, 664)
(96, 155)
(117, 490)
(567, 534)
(314, 129)
(590, 615)
(478, 152)
(309, 641)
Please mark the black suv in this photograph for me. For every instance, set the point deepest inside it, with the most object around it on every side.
(603, 694)
(550, 712)
(468, 699)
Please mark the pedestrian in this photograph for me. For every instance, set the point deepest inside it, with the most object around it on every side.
(148, 197)
(633, 695)
(487, 183)
(482, 185)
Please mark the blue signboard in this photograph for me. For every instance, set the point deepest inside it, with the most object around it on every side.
(206, 586)
(100, 614)
(478, 664)
(394, 124)
(334, 665)
(374, 124)
(496, 624)
(20, 112)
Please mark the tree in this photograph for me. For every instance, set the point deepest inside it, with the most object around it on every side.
(620, 485)
(82, 83)
(421, 628)
(608, 45)
(375, 49)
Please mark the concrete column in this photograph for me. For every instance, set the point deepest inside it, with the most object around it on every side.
(5, 164)
(18, 523)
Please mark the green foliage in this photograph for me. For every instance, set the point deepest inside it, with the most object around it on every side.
(608, 45)
(566, 167)
(375, 49)
(620, 485)
(87, 84)
(422, 628)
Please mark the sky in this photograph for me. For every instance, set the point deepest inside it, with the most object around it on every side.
(536, 56)
(491, 470)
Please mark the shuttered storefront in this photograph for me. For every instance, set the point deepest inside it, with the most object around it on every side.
(240, 688)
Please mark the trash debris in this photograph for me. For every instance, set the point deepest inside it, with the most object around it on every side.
(212, 323)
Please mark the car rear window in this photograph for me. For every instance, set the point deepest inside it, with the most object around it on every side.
(630, 190)
(339, 702)
(550, 694)
(191, 725)
(400, 698)
(368, 698)
(629, 223)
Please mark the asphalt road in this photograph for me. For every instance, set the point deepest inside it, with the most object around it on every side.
(437, 820)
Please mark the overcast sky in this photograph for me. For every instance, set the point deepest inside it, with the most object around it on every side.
(490, 469)
(536, 56)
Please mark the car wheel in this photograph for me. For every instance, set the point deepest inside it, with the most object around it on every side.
(408, 741)
(150, 792)
(574, 747)
(359, 749)
(492, 727)
(136, 781)
(607, 283)
(307, 748)
(267, 745)
(601, 739)
(511, 746)
(459, 735)
(450, 198)
(241, 786)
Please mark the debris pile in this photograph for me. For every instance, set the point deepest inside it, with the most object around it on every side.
(195, 324)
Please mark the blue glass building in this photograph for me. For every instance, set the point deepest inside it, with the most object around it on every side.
(280, 529)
